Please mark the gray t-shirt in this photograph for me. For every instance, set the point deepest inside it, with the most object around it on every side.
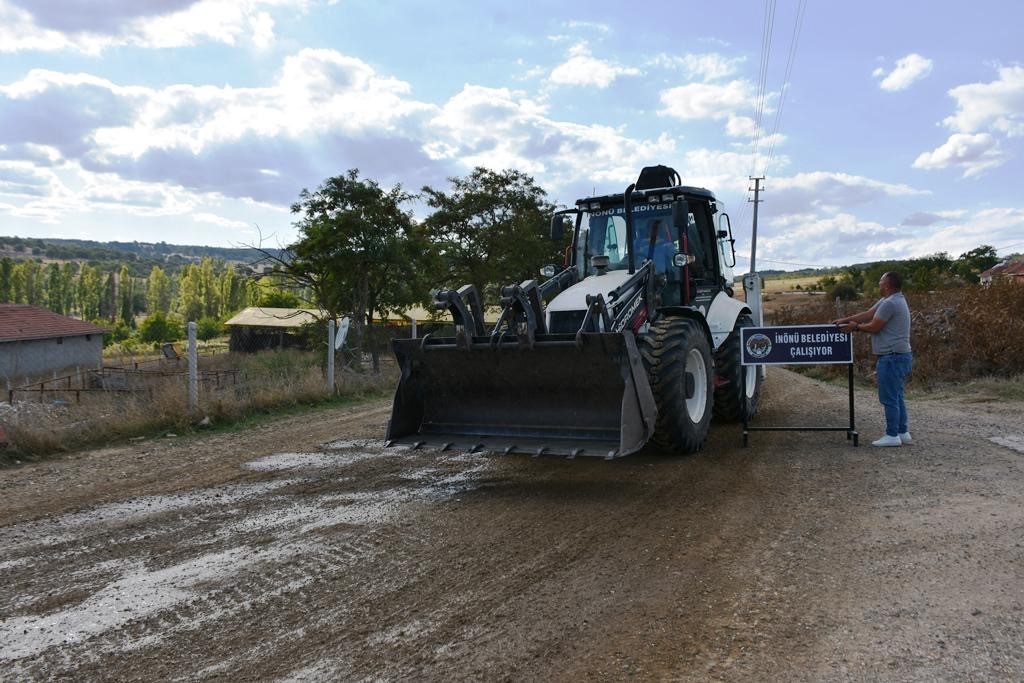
(895, 336)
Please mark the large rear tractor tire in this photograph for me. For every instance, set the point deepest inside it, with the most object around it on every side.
(677, 355)
(741, 390)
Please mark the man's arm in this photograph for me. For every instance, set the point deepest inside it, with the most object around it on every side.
(862, 317)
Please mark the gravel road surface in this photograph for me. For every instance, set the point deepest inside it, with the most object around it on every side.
(302, 550)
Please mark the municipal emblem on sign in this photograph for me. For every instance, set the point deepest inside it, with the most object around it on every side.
(759, 345)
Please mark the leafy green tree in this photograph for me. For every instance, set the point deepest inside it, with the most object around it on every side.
(126, 296)
(158, 327)
(29, 283)
(233, 293)
(190, 292)
(209, 288)
(158, 291)
(358, 251)
(108, 302)
(275, 297)
(492, 229)
(67, 287)
(54, 300)
(90, 292)
(972, 263)
(6, 271)
(208, 327)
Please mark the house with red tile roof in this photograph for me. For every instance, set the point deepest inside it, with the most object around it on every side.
(35, 342)
(1007, 270)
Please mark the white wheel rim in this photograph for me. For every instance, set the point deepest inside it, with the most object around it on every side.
(750, 383)
(698, 403)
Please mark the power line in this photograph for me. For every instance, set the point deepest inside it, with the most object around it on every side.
(767, 31)
(793, 42)
(789, 263)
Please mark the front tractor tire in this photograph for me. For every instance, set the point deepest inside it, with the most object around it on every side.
(677, 355)
(738, 392)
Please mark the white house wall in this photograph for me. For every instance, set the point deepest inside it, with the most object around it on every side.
(41, 357)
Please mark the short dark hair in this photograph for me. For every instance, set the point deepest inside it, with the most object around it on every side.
(895, 279)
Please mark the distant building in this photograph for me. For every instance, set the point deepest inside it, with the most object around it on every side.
(36, 342)
(1007, 270)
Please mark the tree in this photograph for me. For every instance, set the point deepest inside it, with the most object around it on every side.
(126, 293)
(54, 300)
(108, 301)
(190, 292)
(157, 327)
(972, 263)
(274, 297)
(158, 291)
(90, 292)
(6, 271)
(209, 288)
(67, 287)
(492, 229)
(358, 251)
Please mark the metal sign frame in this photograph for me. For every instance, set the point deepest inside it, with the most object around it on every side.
(797, 345)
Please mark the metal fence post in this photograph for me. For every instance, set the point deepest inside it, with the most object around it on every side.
(330, 357)
(193, 370)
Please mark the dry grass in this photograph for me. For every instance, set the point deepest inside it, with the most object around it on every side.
(266, 382)
(958, 335)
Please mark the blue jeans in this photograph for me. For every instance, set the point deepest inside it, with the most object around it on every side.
(892, 373)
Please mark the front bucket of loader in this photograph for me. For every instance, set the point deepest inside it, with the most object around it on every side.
(562, 396)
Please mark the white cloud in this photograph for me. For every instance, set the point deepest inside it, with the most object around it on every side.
(972, 153)
(592, 26)
(997, 225)
(707, 100)
(907, 71)
(80, 25)
(204, 217)
(582, 68)
(501, 128)
(710, 66)
(830, 192)
(998, 105)
(740, 127)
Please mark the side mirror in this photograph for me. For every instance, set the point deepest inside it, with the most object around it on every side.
(725, 234)
(680, 214)
(557, 228)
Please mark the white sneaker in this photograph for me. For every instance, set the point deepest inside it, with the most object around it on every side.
(905, 439)
(887, 441)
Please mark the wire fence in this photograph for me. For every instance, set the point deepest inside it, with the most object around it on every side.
(174, 388)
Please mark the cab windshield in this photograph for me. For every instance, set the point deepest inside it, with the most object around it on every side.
(606, 235)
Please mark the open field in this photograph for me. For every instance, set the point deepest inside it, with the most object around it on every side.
(300, 549)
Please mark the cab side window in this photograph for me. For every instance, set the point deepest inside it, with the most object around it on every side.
(701, 243)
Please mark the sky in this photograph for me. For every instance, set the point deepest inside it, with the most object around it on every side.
(884, 130)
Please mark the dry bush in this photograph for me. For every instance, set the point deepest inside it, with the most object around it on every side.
(259, 383)
(957, 335)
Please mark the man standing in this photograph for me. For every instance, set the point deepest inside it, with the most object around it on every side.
(888, 321)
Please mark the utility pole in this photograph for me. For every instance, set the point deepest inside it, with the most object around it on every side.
(753, 232)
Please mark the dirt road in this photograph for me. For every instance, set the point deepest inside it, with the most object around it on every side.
(302, 550)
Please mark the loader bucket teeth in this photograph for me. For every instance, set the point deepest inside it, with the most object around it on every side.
(556, 398)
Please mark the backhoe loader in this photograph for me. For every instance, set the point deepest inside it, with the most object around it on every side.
(635, 340)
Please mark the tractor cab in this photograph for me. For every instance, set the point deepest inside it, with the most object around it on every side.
(672, 227)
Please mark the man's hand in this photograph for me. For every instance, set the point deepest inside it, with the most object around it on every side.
(846, 325)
